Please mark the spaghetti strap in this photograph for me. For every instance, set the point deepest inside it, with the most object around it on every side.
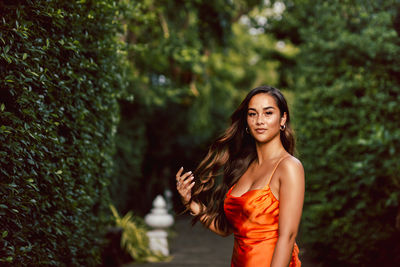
(276, 166)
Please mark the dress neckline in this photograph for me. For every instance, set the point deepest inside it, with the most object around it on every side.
(265, 188)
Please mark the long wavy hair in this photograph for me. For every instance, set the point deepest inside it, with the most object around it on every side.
(229, 157)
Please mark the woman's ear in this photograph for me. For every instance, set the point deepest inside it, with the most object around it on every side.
(283, 119)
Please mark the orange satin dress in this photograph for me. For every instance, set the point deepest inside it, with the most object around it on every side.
(254, 218)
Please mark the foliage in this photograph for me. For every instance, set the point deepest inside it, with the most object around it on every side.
(347, 113)
(61, 74)
(134, 239)
(192, 62)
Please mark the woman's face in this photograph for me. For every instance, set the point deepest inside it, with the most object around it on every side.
(263, 118)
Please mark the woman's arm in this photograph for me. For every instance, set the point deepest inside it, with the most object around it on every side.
(184, 185)
(291, 197)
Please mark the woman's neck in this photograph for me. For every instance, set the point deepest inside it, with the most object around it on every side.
(271, 150)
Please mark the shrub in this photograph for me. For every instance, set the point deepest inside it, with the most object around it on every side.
(347, 116)
(134, 240)
(60, 77)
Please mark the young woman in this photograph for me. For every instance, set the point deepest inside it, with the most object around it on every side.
(260, 197)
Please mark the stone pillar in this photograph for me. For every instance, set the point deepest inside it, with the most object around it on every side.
(159, 220)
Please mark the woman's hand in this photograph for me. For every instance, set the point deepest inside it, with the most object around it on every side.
(184, 184)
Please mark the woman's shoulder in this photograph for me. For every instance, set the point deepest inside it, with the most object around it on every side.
(290, 166)
(290, 161)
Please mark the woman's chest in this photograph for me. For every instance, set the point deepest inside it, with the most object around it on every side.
(251, 180)
(257, 207)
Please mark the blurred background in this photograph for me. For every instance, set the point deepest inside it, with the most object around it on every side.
(103, 101)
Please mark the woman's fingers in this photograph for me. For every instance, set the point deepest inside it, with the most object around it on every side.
(178, 174)
(180, 178)
(190, 186)
(184, 184)
(189, 179)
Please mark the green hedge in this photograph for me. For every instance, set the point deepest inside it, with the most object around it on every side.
(60, 77)
(348, 116)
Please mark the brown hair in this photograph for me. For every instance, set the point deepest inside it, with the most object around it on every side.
(230, 156)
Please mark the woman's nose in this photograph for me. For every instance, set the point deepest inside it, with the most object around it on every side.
(260, 119)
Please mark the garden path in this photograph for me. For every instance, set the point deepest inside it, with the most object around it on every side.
(199, 247)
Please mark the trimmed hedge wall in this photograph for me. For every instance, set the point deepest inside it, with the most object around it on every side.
(60, 78)
(348, 116)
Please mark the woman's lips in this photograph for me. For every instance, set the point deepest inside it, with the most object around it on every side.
(260, 130)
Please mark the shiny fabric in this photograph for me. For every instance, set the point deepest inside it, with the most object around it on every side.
(254, 217)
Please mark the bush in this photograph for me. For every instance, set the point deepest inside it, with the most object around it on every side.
(134, 240)
(60, 77)
(347, 116)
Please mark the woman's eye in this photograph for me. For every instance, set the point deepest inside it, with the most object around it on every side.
(252, 114)
(268, 112)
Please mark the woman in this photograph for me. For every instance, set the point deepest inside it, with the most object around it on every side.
(260, 198)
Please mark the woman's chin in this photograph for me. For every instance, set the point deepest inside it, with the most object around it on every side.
(264, 138)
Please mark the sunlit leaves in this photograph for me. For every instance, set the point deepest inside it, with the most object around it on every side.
(192, 62)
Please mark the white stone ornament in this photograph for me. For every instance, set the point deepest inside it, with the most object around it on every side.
(159, 219)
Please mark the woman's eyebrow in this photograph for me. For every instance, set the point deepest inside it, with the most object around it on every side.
(263, 108)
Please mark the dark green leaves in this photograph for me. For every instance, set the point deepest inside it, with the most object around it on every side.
(57, 109)
(347, 125)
